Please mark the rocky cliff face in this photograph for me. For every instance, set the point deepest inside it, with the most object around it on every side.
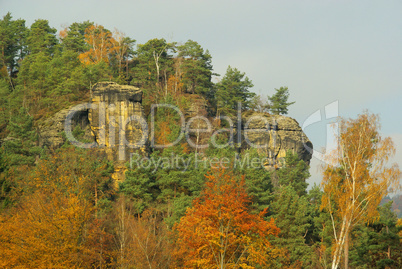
(111, 121)
(117, 122)
(115, 118)
(274, 135)
(114, 121)
(51, 131)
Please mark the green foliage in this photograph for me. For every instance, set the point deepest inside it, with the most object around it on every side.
(20, 146)
(233, 88)
(320, 233)
(65, 76)
(294, 173)
(153, 62)
(5, 183)
(73, 38)
(51, 77)
(33, 71)
(4, 106)
(139, 186)
(12, 43)
(19, 151)
(378, 244)
(163, 181)
(196, 67)
(279, 101)
(290, 212)
(41, 38)
(257, 179)
(47, 78)
(96, 72)
(120, 59)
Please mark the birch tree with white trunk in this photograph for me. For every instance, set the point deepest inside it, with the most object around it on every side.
(356, 179)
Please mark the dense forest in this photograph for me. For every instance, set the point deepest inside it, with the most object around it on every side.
(61, 208)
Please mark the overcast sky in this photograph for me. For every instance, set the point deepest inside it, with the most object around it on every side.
(324, 51)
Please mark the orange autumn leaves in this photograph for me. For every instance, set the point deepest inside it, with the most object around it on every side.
(55, 223)
(52, 228)
(356, 178)
(220, 232)
(101, 45)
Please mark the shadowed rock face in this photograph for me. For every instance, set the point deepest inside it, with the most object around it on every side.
(278, 133)
(51, 130)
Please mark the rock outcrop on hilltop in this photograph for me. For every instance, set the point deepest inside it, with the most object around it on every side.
(279, 133)
(102, 119)
(114, 121)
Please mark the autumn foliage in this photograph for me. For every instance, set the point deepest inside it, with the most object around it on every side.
(52, 228)
(101, 45)
(141, 239)
(356, 178)
(219, 231)
(55, 222)
(60, 207)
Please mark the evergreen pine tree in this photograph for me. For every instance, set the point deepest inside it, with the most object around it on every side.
(295, 172)
(290, 212)
(233, 88)
(196, 68)
(279, 101)
(378, 245)
(20, 145)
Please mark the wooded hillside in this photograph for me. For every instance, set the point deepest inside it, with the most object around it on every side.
(61, 208)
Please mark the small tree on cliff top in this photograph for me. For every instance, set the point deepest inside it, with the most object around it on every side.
(279, 101)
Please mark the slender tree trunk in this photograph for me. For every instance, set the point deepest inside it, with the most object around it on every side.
(127, 69)
(96, 194)
(198, 133)
(346, 250)
(339, 243)
(166, 85)
(156, 58)
(389, 247)
(120, 60)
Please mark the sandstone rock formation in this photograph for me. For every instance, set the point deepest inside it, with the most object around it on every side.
(111, 122)
(274, 135)
(114, 121)
(51, 131)
(117, 121)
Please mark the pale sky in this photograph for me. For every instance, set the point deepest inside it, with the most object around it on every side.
(324, 51)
